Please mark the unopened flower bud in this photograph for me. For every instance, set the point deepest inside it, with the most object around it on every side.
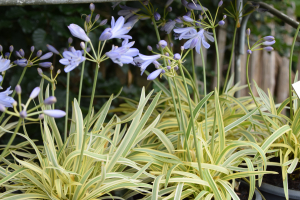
(154, 74)
(220, 3)
(157, 46)
(97, 17)
(248, 31)
(45, 64)
(35, 92)
(171, 45)
(268, 43)
(1, 48)
(221, 23)
(269, 38)
(39, 53)
(249, 51)
(149, 48)
(70, 40)
(18, 54)
(55, 113)
(268, 48)
(6, 54)
(40, 71)
(50, 100)
(58, 71)
(182, 48)
(224, 16)
(11, 48)
(177, 56)
(169, 9)
(18, 89)
(52, 49)
(15, 103)
(82, 45)
(23, 114)
(103, 22)
(32, 48)
(46, 56)
(157, 16)
(41, 116)
(176, 68)
(88, 19)
(22, 53)
(2, 108)
(163, 71)
(187, 19)
(51, 68)
(178, 20)
(88, 49)
(92, 7)
(168, 67)
(167, 54)
(163, 44)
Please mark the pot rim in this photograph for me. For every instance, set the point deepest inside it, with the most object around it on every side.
(279, 191)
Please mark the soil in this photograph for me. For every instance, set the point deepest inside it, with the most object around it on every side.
(243, 192)
(276, 179)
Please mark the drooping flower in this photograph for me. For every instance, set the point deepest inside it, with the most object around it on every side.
(4, 65)
(168, 27)
(6, 100)
(117, 30)
(54, 113)
(123, 55)
(154, 74)
(127, 11)
(144, 61)
(71, 59)
(78, 32)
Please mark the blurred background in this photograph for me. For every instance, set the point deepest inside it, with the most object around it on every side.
(24, 26)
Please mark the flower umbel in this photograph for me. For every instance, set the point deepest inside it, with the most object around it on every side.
(71, 59)
(143, 61)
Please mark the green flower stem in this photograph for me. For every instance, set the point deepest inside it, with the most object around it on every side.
(231, 56)
(212, 144)
(198, 153)
(14, 93)
(193, 83)
(196, 91)
(2, 79)
(11, 139)
(218, 61)
(248, 82)
(173, 98)
(67, 106)
(81, 77)
(89, 113)
(182, 127)
(205, 92)
(290, 73)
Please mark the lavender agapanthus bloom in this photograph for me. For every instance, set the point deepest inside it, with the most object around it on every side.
(22, 62)
(154, 74)
(144, 61)
(71, 59)
(78, 32)
(185, 33)
(168, 27)
(4, 65)
(123, 55)
(127, 11)
(117, 30)
(6, 100)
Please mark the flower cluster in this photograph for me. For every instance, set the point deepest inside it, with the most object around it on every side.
(266, 41)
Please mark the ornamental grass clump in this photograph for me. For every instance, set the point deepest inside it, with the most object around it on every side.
(166, 145)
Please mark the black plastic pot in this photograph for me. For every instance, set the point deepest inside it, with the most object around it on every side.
(257, 195)
(271, 192)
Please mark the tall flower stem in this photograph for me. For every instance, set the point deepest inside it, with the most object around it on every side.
(290, 73)
(11, 139)
(196, 92)
(89, 112)
(14, 93)
(198, 152)
(81, 77)
(248, 82)
(67, 106)
(231, 56)
(205, 92)
(218, 60)
(182, 127)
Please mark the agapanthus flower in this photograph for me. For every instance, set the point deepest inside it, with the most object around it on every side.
(168, 27)
(127, 11)
(131, 22)
(116, 31)
(185, 33)
(198, 39)
(6, 100)
(4, 65)
(123, 55)
(144, 61)
(22, 62)
(71, 59)
(78, 32)
(55, 113)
